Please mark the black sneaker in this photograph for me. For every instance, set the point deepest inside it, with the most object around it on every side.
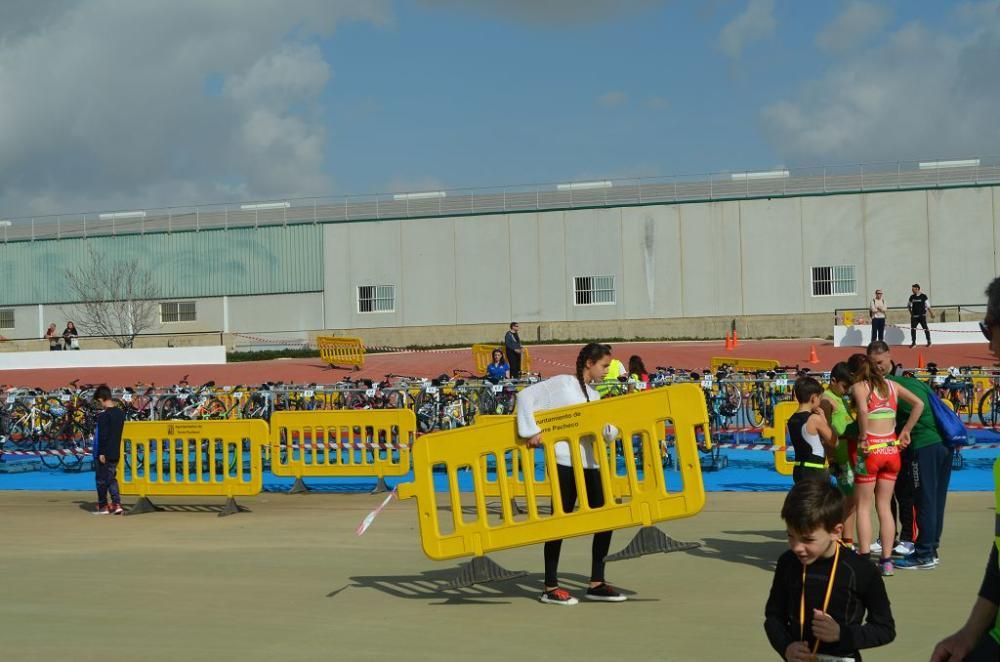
(914, 562)
(604, 593)
(558, 596)
(912, 345)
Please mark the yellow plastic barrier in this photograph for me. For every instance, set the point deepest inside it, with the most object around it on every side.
(337, 350)
(743, 365)
(342, 443)
(457, 533)
(483, 354)
(192, 458)
(515, 476)
(778, 434)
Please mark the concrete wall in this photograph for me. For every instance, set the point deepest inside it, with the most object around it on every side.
(687, 263)
(734, 258)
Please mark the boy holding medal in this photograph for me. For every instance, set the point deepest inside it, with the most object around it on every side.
(822, 591)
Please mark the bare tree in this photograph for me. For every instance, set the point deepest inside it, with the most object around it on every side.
(116, 297)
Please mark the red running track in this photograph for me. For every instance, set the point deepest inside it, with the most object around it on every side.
(548, 359)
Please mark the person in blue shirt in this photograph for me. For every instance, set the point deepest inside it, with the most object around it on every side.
(497, 368)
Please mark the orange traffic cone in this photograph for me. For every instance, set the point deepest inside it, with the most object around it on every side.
(812, 355)
(920, 361)
(736, 340)
(729, 343)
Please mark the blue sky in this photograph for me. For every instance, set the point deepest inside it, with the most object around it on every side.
(202, 101)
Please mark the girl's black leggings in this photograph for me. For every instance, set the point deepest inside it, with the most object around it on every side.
(602, 541)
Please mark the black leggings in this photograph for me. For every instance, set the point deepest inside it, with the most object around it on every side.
(602, 541)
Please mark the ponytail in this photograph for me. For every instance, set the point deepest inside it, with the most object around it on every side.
(866, 371)
(592, 352)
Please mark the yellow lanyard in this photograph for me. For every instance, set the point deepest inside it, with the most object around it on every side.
(826, 600)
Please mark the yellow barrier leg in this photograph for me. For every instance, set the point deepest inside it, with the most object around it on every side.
(232, 508)
(482, 570)
(649, 539)
(141, 507)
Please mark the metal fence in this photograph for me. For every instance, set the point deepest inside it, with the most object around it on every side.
(894, 176)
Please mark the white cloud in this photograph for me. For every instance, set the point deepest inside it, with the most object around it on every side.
(756, 23)
(548, 12)
(110, 104)
(857, 22)
(922, 94)
(612, 99)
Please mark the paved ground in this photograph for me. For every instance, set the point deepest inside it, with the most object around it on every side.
(548, 359)
(291, 581)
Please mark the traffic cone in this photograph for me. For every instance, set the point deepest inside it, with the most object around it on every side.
(920, 361)
(736, 340)
(729, 343)
(813, 359)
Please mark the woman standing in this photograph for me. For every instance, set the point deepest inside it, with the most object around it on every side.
(877, 461)
(877, 308)
(69, 335)
(562, 391)
(53, 338)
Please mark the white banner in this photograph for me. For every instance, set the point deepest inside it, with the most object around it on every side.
(942, 333)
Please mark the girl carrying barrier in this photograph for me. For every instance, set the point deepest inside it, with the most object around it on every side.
(561, 391)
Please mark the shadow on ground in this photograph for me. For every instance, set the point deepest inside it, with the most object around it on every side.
(763, 554)
(91, 506)
(431, 585)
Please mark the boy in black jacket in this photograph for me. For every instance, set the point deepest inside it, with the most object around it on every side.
(107, 452)
(821, 589)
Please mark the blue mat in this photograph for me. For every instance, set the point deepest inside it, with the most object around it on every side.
(747, 471)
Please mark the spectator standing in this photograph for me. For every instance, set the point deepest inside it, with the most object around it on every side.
(513, 349)
(920, 309)
(107, 452)
(637, 369)
(497, 368)
(69, 335)
(53, 337)
(613, 380)
(979, 639)
(877, 309)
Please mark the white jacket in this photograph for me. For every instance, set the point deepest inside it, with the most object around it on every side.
(559, 391)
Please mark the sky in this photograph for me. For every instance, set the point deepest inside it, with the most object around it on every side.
(110, 105)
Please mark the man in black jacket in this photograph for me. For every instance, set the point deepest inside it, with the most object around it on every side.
(107, 452)
(512, 348)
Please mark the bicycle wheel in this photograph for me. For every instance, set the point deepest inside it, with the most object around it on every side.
(989, 405)
(170, 408)
(49, 453)
(755, 407)
(487, 403)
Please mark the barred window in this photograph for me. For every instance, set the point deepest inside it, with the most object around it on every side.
(376, 298)
(177, 311)
(6, 318)
(834, 281)
(594, 290)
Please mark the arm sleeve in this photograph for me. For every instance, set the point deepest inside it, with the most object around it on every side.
(990, 589)
(103, 433)
(530, 400)
(776, 613)
(879, 627)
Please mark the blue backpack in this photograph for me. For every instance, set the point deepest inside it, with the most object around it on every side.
(952, 430)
